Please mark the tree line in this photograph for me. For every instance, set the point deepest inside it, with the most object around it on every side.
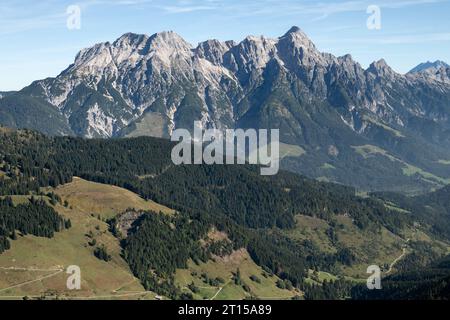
(35, 218)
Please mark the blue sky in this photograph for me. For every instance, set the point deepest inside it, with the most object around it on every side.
(36, 43)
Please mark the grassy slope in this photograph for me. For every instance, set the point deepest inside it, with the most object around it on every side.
(290, 150)
(105, 200)
(408, 169)
(372, 247)
(151, 124)
(88, 202)
(286, 150)
(70, 247)
(224, 268)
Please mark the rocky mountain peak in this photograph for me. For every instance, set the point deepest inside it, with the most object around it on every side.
(212, 50)
(438, 64)
(293, 29)
(351, 67)
(92, 61)
(380, 64)
(142, 80)
(259, 42)
(152, 85)
(380, 68)
(253, 53)
(296, 49)
(346, 60)
(130, 39)
(170, 38)
(230, 43)
(437, 71)
(169, 42)
(298, 38)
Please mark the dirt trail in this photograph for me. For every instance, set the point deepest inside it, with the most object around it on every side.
(220, 290)
(396, 260)
(30, 281)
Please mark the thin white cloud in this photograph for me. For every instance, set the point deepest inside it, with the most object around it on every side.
(17, 17)
(393, 39)
(186, 9)
(313, 9)
(414, 38)
(22, 24)
(22, 16)
(88, 3)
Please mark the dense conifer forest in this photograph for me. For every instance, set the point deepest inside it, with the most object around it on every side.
(35, 218)
(253, 210)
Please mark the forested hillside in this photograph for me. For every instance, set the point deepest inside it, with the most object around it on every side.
(255, 212)
(35, 217)
(421, 282)
(143, 165)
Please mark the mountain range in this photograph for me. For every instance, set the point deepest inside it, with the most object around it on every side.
(372, 128)
(427, 66)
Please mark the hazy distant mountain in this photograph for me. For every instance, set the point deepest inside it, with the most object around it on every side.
(438, 70)
(429, 65)
(372, 128)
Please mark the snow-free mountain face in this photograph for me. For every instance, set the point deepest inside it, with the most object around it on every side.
(429, 65)
(333, 114)
(139, 80)
(438, 70)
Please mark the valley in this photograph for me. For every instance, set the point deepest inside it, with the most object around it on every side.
(137, 232)
(323, 105)
(44, 276)
(211, 158)
(70, 247)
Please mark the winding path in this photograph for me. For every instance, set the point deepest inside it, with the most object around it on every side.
(220, 290)
(57, 271)
(396, 260)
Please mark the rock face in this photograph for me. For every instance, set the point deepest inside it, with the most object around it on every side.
(438, 70)
(111, 86)
(151, 85)
(426, 66)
